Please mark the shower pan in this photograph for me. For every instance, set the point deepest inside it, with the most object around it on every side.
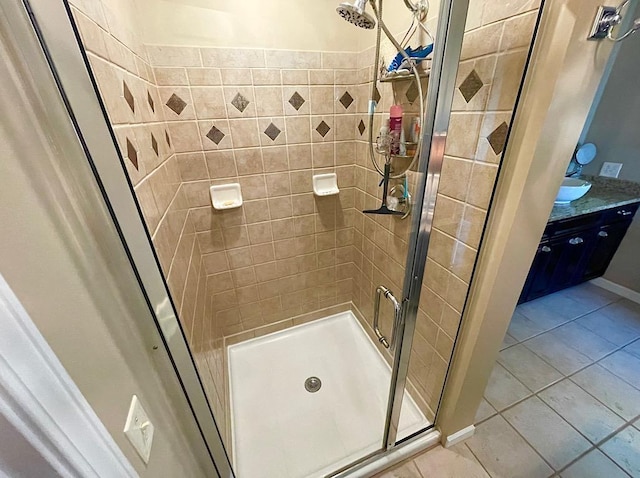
(291, 319)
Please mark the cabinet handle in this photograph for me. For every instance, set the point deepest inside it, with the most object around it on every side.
(622, 212)
(603, 234)
(545, 249)
(575, 241)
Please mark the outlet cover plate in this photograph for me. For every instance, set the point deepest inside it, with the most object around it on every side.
(139, 430)
(610, 170)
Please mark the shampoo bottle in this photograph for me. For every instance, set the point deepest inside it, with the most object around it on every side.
(395, 128)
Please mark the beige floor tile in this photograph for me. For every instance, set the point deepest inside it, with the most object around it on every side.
(557, 354)
(625, 366)
(407, 470)
(624, 449)
(485, 410)
(508, 341)
(591, 295)
(504, 453)
(611, 390)
(610, 328)
(557, 441)
(585, 413)
(451, 462)
(633, 348)
(527, 367)
(553, 310)
(504, 389)
(522, 327)
(594, 464)
(584, 340)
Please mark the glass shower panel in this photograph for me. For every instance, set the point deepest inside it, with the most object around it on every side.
(495, 48)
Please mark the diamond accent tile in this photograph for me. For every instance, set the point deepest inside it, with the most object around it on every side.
(132, 154)
(376, 95)
(154, 144)
(128, 96)
(152, 105)
(166, 138)
(361, 127)
(323, 128)
(498, 138)
(296, 101)
(240, 102)
(272, 131)
(215, 135)
(470, 86)
(346, 100)
(176, 104)
(412, 92)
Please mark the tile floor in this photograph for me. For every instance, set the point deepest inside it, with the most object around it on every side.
(563, 399)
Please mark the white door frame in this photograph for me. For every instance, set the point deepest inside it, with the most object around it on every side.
(42, 402)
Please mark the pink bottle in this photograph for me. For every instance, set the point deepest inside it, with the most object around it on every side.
(395, 127)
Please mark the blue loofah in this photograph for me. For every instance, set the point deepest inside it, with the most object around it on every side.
(417, 55)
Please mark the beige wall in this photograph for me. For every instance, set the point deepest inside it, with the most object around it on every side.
(62, 257)
(279, 24)
(614, 130)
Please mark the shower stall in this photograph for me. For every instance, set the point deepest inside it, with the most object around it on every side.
(307, 263)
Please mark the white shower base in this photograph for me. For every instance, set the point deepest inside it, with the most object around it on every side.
(281, 430)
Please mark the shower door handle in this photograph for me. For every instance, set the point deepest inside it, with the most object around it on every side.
(380, 290)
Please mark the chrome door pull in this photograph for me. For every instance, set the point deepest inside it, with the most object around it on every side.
(575, 241)
(376, 316)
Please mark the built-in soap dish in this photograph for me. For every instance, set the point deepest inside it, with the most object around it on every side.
(226, 196)
(325, 184)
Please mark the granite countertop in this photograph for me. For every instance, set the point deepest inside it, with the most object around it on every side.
(606, 193)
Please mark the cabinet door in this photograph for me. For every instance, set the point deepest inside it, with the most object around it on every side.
(571, 264)
(541, 273)
(604, 247)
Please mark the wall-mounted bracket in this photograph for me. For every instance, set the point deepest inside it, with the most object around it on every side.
(606, 19)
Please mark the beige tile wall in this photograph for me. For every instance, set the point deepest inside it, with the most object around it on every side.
(134, 105)
(495, 47)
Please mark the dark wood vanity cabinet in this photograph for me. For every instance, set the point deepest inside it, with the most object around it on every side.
(576, 249)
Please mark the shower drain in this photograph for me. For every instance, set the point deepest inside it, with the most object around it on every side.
(312, 384)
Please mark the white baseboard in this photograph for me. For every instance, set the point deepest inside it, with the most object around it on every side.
(459, 436)
(617, 289)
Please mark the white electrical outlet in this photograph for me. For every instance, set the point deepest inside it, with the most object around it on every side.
(139, 430)
(610, 170)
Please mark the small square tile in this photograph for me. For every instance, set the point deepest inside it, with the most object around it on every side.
(296, 101)
(412, 92)
(272, 131)
(240, 102)
(585, 413)
(470, 86)
(128, 96)
(361, 127)
(346, 100)
(176, 104)
(154, 144)
(215, 135)
(323, 128)
(132, 154)
(151, 102)
(498, 138)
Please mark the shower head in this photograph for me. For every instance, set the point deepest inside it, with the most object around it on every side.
(354, 13)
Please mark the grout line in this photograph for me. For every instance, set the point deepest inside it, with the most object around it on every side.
(597, 445)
